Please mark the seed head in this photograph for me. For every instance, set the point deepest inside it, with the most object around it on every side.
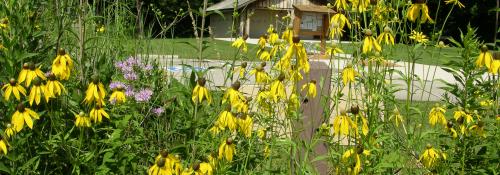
(355, 110)
(244, 65)
(202, 81)
(236, 85)
(296, 39)
(229, 141)
(368, 32)
(20, 107)
(61, 51)
(12, 82)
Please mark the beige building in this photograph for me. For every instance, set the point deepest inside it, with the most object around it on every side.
(309, 18)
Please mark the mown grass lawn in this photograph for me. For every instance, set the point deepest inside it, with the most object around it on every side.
(186, 48)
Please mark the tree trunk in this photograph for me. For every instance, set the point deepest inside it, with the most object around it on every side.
(138, 21)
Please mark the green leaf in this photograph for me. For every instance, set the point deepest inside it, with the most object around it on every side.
(4, 168)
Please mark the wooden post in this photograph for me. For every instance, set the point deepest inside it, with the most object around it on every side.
(247, 23)
(313, 115)
(324, 33)
(296, 21)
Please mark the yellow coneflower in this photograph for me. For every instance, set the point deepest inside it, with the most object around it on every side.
(419, 10)
(364, 127)
(262, 41)
(81, 120)
(227, 119)
(216, 129)
(101, 29)
(293, 103)
(62, 65)
(436, 115)
(54, 87)
(278, 47)
(396, 117)
(273, 38)
(386, 36)
(227, 149)
(356, 153)
(295, 75)
(261, 133)
(10, 130)
(342, 124)
(288, 35)
(159, 168)
(495, 67)
(360, 5)
(4, 23)
(297, 49)
(418, 37)
(430, 156)
(341, 20)
(245, 124)
(270, 29)
(261, 77)
(200, 92)
(172, 162)
(36, 92)
(451, 130)
(349, 74)
(241, 43)
(485, 58)
(199, 169)
(462, 115)
(264, 55)
(333, 49)
(3, 145)
(23, 115)
(97, 113)
(278, 89)
(335, 31)
(455, 2)
(29, 73)
(13, 88)
(242, 69)
(478, 129)
(212, 159)
(95, 92)
(340, 4)
(233, 95)
(370, 43)
(118, 96)
(311, 89)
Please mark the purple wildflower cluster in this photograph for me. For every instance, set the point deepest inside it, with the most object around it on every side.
(143, 95)
(128, 67)
(158, 111)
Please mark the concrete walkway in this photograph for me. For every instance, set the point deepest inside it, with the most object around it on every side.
(424, 74)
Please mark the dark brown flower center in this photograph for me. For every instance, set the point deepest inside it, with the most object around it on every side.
(244, 64)
(61, 51)
(20, 107)
(281, 77)
(161, 162)
(202, 81)
(164, 153)
(12, 82)
(236, 85)
(296, 39)
(229, 141)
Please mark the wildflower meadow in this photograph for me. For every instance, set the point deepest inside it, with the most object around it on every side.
(109, 87)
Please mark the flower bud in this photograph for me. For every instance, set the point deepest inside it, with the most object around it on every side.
(368, 32)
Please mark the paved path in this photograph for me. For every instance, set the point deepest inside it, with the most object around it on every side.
(216, 75)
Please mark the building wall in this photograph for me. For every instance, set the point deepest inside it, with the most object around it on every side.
(260, 19)
(221, 27)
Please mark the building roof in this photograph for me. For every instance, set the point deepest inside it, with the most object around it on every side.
(313, 8)
(228, 4)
